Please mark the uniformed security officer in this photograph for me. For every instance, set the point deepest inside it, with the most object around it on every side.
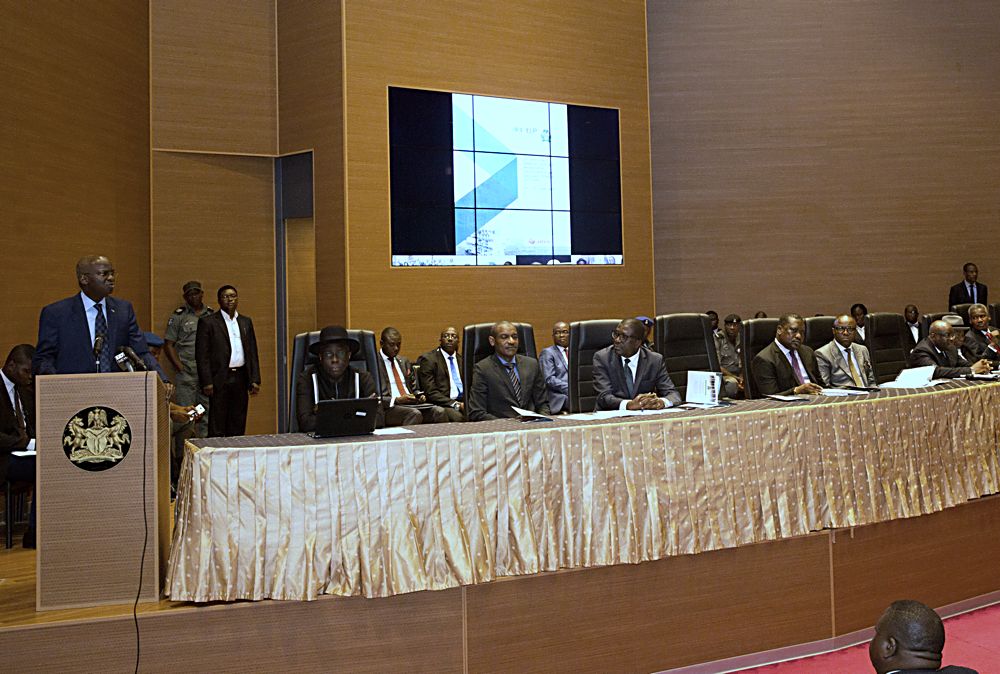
(182, 328)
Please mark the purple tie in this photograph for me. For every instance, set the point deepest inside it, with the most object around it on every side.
(795, 366)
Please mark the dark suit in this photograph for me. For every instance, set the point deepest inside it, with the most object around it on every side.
(64, 343)
(556, 377)
(773, 374)
(305, 400)
(231, 387)
(947, 364)
(977, 346)
(959, 294)
(404, 415)
(491, 395)
(435, 381)
(17, 468)
(947, 669)
(908, 341)
(650, 377)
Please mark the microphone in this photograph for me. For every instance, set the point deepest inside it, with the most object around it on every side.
(122, 361)
(98, 345)
(137, 363)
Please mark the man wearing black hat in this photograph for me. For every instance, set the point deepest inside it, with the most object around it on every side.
(178, 346)
(332, 378)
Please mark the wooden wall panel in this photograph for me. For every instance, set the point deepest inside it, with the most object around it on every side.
(74, 153)
(213, 220)
(590, 52)
(808, 156)
(653, 616)
(311, 105)
(300, 278)
(214, 76)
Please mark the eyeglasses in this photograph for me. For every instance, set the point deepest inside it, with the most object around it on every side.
(838, 328)
(618, 335)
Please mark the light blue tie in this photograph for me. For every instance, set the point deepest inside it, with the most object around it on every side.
(454, 375)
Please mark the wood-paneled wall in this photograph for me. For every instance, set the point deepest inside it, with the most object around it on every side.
(811, 155)
(74, 153)
(590, 52)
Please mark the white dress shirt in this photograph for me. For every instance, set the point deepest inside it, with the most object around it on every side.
(633, 365)
(861, 332)
(90, 311)
(915, 331)
(802, 366)
(236, 357)
(12, 396)
(452, 384)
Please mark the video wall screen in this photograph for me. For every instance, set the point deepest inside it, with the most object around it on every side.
(479, 180)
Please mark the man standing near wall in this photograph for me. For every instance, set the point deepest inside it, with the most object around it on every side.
(178, 346)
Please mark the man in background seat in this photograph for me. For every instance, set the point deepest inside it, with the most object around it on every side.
(786, 365)
(506, 379)
(439, 376)
(843, 362)
(627, 376)
(555, 365)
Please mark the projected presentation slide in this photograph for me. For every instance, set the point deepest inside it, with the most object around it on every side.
(477, 180)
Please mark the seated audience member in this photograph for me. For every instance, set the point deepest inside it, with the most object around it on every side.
(786, 365)
(760, 314)
(968, 291)
(555, 366)
(909, 639)
(332, 378)
(858, 313)
(647, 340)
(912, 334)
(713, 316)
(729, 348)
(627, 376)
(17, 425)
(506, 379)
(439, 376)
(981, 340)
(935, 349)
(843, 362)
(399, 386)
(183, 418)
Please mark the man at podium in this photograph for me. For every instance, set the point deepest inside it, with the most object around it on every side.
(85, 332)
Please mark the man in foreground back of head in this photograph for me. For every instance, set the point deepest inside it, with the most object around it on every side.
(909, 638)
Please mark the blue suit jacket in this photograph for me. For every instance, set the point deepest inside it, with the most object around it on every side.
(556, 377)
(64, 344)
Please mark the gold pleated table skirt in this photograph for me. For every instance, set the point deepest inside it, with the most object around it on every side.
(289, 517)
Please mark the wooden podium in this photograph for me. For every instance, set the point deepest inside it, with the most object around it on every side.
(103, 444)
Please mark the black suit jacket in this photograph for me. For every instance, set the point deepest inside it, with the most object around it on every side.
(773, 375)
(947, 363)
(650, 377)
(491, 394)
(976, 346)
(10, 436)
(212, 349)
(959, 294)
(435, 379)
(408, 378)
(908, 341)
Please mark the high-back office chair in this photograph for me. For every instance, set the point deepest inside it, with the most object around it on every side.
(963, 311)
(365, 359)
(927, 319)
(818, 331)
(685, 341)
(476, 346)
(995, 315)
(886, 345)
(755, 333)
(585, 339)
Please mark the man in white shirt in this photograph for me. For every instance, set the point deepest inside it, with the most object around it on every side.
(842, 362)
(17, 424)
(440, 377)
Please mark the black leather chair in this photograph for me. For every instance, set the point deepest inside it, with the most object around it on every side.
(819, 331)
(585, 339)
(685, 341)
(995, 314)
(927, 319)
(365, 359)
(476, 346)
(755, 333)
(963, 311)
(887, 345)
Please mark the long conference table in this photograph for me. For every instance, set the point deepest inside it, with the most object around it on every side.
(291, 517)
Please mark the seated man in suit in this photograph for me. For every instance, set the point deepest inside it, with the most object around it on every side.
(843, 362)
(401, 403)
(858, 313)
(439, 377)
(17, 425)
(909, 639)
(628, 377)
(958, 343)
(786, 365)
(981, 340)
(332, 378)
(969, 291)
(729, 348)
(83, 333)
(936, 349)
(506, 379)
(555, 365)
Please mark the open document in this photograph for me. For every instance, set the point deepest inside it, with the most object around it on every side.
(915, 377)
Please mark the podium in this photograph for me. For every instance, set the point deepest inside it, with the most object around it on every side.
(103, 484)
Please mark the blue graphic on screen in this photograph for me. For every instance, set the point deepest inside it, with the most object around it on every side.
(511, 171)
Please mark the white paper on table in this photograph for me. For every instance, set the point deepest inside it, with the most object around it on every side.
(27, 452)
(841, 392)
(787, 399)
(523, 413)
(703, 387)
(912, 377)
(581, 416)
(395, 430)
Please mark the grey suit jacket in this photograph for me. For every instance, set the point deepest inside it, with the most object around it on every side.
(491, 394)
(650, 377)
(977, 346)
(556, 377)
(833, 369)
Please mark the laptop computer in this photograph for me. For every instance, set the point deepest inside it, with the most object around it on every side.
(349, 416)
